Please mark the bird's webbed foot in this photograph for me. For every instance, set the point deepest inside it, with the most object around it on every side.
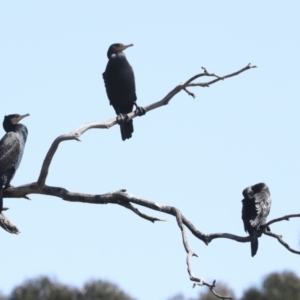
(121, 119)
(140, 111)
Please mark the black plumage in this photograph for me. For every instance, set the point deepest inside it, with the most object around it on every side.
(11, 150)
(120, 87)
(256, 207)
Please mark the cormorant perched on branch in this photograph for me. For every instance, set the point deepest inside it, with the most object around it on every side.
(120, 87)
(256, 207)
(11, 150)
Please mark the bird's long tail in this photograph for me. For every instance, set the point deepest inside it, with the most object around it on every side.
(126, 130)
(254, 243)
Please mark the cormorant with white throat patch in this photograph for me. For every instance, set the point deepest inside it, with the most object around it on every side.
(11, 150)
(120, 87)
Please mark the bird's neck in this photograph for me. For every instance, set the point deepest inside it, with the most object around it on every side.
(9, 127)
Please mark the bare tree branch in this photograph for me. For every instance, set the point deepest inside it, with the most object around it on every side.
(48, 159)
(190, 253)
(284, 218)
(120, 197)
(75, 135)
(125, 200)
(212, 286)
(140, 214)
(281, 241)
(207, 84)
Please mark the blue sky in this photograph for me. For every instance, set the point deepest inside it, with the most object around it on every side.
(195, 154)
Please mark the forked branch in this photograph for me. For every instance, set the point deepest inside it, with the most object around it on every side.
(75, 135)
(120, 197)
(127, 201)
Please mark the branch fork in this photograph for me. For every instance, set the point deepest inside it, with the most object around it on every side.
(125, 200)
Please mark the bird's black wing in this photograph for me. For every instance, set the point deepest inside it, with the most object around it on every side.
(262, 205)
(107, 89)
(248, 213)
(245, 216)
(9, 151)
(133, 78)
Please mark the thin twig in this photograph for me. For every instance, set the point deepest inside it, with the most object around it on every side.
(284, 218)
(281, 241)
(190, 254)
(140, 214)
(212, 286)
(207, 84)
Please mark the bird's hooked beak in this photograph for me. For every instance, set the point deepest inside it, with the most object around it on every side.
(18, 118)
(123, 47)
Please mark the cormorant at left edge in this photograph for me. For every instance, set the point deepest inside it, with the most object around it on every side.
(11, 150)
(120, 87)
(256, 207)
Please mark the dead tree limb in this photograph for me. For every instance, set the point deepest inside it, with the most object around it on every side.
(75, 135)
(125, 200)
(280, 240)
(120, 197)
(284, 218)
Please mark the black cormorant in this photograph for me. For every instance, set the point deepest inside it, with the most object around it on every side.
(11, 150)
(256, 207)
(120, 87)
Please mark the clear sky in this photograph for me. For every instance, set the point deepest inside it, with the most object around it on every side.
(197, 155)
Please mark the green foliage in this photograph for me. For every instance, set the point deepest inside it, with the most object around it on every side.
(2, 297)
(276, 286)
(43, 288)
(282, 286)
(176, 297)
(101, 290)
(252, 294)
(221, 288)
